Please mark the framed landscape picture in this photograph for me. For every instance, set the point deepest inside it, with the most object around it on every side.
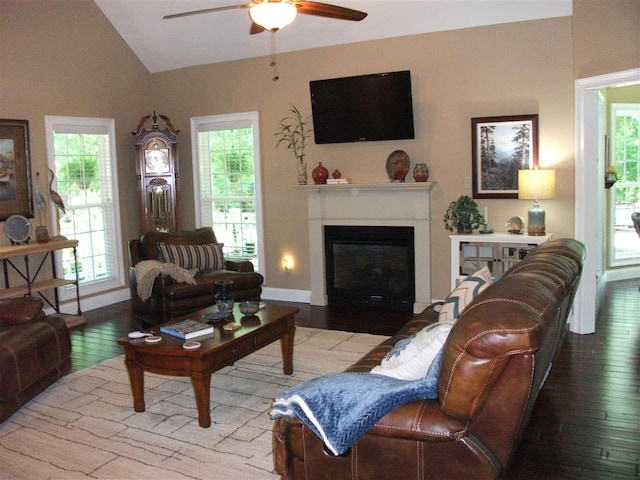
(15, 169)
(500, 147)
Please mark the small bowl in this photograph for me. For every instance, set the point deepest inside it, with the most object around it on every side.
(249, 307)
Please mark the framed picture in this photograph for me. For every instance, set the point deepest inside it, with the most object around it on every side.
(15, 169)
(500, 147)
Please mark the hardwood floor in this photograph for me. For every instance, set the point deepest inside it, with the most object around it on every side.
(586, 422)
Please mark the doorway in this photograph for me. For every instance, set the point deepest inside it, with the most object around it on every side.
(589, 192)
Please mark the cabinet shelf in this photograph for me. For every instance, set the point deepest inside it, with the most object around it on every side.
(23, 290)
(497, 251)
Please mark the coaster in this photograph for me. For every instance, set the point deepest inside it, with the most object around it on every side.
(191, 345)
(230, 327)
(153, 339)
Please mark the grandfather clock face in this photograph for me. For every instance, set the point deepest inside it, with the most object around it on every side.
(156, 158)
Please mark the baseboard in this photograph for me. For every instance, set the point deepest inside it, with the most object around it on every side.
(285, 295)
(621, 273)
(92, 302)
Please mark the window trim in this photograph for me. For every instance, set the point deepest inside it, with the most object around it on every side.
(612, 261)
(118, 279)
(253, 118)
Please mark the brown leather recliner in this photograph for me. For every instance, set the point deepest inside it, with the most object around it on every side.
(170, 299)
(35, 351)
(494, 363)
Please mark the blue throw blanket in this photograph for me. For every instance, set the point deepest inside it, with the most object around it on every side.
(341, 407)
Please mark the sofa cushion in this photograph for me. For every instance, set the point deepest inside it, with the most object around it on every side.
(411, 357)
(202, 257)
(463, 294)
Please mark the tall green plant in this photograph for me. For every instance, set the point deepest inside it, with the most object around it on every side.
(293, 131)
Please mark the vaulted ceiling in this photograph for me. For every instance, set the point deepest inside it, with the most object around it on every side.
(224, 36)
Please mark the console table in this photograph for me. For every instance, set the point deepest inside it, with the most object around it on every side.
(498, 251)
(31, 285)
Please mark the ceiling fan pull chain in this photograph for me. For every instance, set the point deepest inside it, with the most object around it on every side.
(274, 64)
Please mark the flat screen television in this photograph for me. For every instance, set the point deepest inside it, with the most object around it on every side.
(363, 108)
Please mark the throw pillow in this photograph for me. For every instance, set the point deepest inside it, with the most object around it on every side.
(411, 358)
(463, 294)
(202, 257)
(20, 310)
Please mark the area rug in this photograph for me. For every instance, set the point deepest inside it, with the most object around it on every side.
(84, 426)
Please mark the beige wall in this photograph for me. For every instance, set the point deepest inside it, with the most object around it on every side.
(606, 36)
(63, 57)
(510, 69)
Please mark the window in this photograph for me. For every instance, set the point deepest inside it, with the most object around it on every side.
(625, 155)
(227, 182)
(81, 152)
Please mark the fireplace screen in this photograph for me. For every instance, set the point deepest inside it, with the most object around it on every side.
(370, 265)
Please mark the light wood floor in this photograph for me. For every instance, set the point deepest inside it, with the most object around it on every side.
(586, 422)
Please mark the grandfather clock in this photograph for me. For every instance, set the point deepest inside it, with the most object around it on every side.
(158, 178)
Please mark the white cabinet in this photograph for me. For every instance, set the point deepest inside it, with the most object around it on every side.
(497, 251)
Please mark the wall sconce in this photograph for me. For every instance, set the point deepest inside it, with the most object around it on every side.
(287, 263)
(536, 185)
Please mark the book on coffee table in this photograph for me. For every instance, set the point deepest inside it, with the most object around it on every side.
(187, 329)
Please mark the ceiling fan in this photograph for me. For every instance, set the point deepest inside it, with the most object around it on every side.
(273, 15)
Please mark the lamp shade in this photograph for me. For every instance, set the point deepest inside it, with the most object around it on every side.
(536, 184)
(273, 15)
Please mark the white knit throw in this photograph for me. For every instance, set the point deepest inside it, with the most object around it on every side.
(148, 270)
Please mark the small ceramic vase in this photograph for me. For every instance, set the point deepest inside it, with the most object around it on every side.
(320, 174)
(420, 172)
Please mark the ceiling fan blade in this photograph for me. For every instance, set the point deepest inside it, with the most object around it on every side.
(206, 10)
(255, 28)
(325, 10)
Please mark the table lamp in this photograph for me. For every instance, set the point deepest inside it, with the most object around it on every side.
(536, 185)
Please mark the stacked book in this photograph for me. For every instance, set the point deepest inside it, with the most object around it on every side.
(336, 181)
(187, 329)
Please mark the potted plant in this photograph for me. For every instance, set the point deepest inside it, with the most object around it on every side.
(293, 131)
(463, 215)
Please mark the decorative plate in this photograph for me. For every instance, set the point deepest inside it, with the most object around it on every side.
(398, 165)
(17, 228)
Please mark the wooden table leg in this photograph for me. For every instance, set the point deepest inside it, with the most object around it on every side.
(201, 388)
(136, 379)
(286, 343)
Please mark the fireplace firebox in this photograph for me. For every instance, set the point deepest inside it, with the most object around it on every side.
(370, 265)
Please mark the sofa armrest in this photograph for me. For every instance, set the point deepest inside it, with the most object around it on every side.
(239, 265)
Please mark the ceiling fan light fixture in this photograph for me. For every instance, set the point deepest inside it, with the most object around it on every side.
(273, 15)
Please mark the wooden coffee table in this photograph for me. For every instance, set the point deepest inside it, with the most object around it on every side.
(218, 350)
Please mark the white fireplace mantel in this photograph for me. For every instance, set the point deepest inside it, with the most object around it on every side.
(389, 204)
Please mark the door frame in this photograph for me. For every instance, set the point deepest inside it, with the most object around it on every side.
(586, 183)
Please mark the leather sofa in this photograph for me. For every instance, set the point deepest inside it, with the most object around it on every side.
(35, 351)
(169, 298)
(494, 363)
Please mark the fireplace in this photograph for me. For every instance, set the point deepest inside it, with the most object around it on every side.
(376, 205)
(370, 265)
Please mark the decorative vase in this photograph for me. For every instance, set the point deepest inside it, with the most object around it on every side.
(336, 174)
(302, 173)
(320, 174)
(224, 296)
(420, 172)
(42, 234)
